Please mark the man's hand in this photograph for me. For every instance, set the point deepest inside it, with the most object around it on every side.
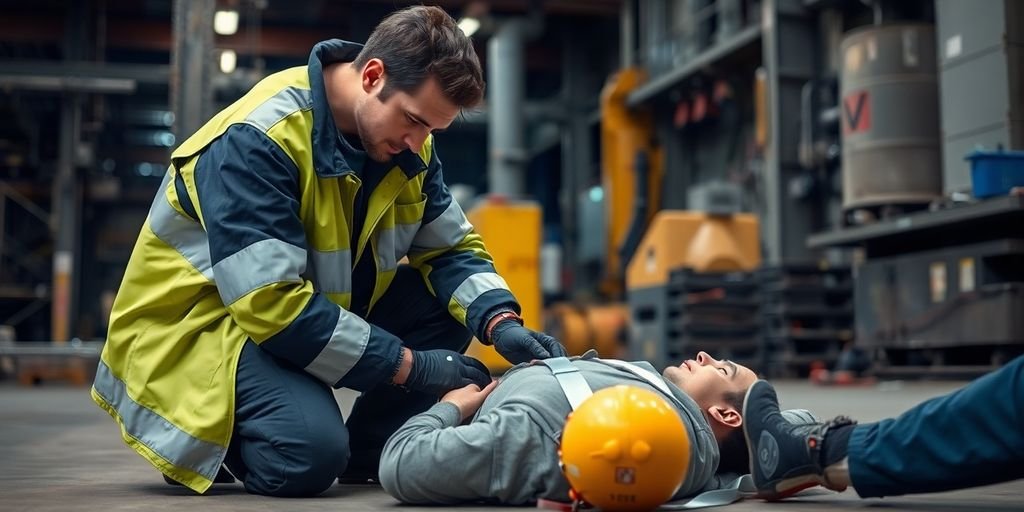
(468, 399)
(519, 344)
(440, 371)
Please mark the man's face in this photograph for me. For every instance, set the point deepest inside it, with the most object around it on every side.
(402, 121)
(707, 380)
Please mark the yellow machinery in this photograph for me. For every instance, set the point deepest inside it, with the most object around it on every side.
(705, 243)
(626, 136)
(696, 240)
(511, 229)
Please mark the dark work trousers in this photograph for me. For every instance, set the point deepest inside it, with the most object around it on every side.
(973, 436)
(289, 437)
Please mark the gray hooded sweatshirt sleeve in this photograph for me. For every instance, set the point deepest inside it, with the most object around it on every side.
(508, 452)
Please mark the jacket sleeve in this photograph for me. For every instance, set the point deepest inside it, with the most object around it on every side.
(432, 460)
(452, 258)
(245, 192)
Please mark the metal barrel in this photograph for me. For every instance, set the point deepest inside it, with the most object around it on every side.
(890, 116)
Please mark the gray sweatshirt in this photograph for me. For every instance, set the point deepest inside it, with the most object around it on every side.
(508, 453)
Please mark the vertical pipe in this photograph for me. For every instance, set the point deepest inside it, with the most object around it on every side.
(65, 202)
(65, 207)
(577, 165)
(507, 158)
(571, 185)
(831, 30)
(774, 189)
(789, 45)
(627, 55)
(191, 65)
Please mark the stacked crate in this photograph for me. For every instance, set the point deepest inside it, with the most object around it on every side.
(806, 317)
(713, 312)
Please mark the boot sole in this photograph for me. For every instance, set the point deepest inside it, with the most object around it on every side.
(786, 488)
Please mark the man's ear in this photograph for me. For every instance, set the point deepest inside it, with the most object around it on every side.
(373, 74)
(725, 415)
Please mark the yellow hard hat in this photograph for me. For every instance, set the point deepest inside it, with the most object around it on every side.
(624, 448)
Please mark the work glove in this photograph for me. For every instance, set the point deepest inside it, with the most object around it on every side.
(519, 344)
(439, 371)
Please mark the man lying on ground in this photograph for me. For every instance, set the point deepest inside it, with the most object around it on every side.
(507, 452)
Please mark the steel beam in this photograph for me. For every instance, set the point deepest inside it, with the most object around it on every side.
(745, 37)
(66, 206)
(66, 198)
(68, 84)
(577, 167)
(789, 42)
(86, 71)
(627, 37)
(191, 63)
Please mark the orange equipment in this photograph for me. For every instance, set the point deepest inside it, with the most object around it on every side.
(594, 326)
(697, 240)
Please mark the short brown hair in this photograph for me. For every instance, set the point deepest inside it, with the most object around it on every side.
(423, 41)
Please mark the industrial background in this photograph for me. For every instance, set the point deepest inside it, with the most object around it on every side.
(829, 191)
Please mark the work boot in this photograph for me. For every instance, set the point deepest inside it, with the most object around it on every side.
(223, 477)
(785, 458)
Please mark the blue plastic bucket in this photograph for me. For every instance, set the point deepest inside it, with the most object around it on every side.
(994, 173)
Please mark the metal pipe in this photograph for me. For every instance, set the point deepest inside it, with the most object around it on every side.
(628, 34)
(70, 84)
(66, 204)
(65, 215)
(191, 94)
(508, 155)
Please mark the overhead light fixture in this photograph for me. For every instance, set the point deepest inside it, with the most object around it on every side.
(469, 25)
(228, 60)
(225, 23)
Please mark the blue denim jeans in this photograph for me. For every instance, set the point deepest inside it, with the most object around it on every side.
(973, 436)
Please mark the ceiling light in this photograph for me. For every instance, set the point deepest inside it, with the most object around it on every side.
(228, 60)
(225, 23)
(469, 25)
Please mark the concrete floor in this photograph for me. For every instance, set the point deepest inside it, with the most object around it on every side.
(60, 452)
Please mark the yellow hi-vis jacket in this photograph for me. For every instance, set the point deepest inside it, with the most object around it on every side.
(250, 236)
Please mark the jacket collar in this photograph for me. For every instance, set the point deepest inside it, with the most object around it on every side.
(330, 154)
(327, 161)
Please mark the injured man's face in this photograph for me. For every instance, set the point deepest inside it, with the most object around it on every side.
(709, 381)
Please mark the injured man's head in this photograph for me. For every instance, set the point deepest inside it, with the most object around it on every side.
(718, 387)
